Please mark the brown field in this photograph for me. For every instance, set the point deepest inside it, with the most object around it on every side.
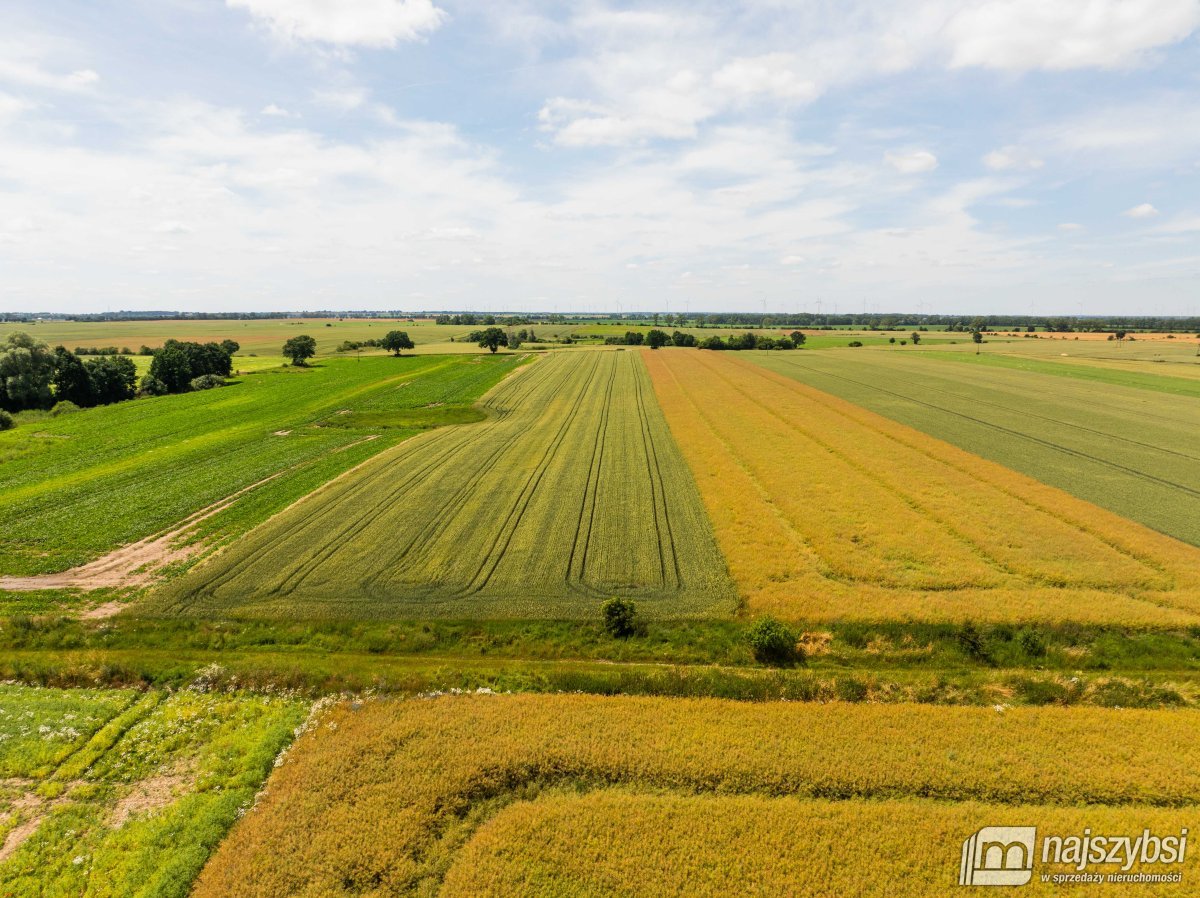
(826, 510)
(394, 797)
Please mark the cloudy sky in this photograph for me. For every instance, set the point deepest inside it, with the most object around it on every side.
(943, 155)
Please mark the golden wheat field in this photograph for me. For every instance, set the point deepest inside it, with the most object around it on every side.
(395, 797)
(614, 842)
(824, 509)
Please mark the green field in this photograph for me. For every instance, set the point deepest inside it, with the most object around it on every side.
(572, 491)
(116, 793)
(75, 486)
(1120, 445)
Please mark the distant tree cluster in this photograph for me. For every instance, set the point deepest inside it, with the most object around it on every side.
(753, 341)
(177, 364)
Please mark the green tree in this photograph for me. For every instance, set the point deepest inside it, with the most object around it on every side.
(26, 372)
(71, 381)
(798, 338)
(657, 338)
(492, 339)
(916, 338)
(620, 618)
(976, 337)
(113, 378)
(394, 341)
(230, 346)
(774, 643)
(300, 348)
(171, 368)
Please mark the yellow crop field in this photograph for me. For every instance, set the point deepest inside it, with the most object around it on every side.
(616, 843)
(824, 510)
(390, 797)
(570, 492)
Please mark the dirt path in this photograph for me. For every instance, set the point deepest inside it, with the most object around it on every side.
(136, 563)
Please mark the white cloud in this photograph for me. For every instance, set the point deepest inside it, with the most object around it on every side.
(172, 227)
(911, 162)
(11, 107)
(365, 23)
(1068, 227)
(1011, 158)
(1066, 34)
(1144, 210)
(771, 75)
(345, 99)
(274, 111)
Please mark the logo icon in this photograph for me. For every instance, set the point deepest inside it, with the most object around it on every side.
(998, 856)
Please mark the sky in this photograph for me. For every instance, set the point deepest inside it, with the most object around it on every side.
(940, 156)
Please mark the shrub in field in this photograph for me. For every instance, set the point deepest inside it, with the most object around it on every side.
(207, 382)
(152, 386)
(6, 420)
(774, 643)
(63, 407)
(620, 618)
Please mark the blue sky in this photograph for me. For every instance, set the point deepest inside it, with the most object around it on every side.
(984, 156)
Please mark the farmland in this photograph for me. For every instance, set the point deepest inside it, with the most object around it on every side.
(115, 793)
(479, 794)
(76, 486)
(826, 510)
(571, 491)
(1130, 448)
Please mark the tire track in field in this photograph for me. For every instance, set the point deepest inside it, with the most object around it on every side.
(512, 521)
(1141, 558)
(659, 501)
(444, 441)
(1016, 433)
(418, 549)
(592, 488)
(453, 444)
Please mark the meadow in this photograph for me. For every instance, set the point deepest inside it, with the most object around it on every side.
(826, 510)
(571, 491)
(116, 793)
(75, 486)
(1126, 442)
(488, 794)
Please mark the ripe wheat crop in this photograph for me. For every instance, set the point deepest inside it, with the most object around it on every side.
(380, 797)
(825, 509)
(571, 491)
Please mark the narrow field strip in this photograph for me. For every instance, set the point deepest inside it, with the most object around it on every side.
(571, 491)
(394, 797)
(825, 509)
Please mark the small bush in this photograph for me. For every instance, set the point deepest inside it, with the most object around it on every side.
(64, 407)
(1032, 644)
(774, 643)
(620, 618)
(854, 343)
(6, 420)
(152, 386)
(207, 382)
